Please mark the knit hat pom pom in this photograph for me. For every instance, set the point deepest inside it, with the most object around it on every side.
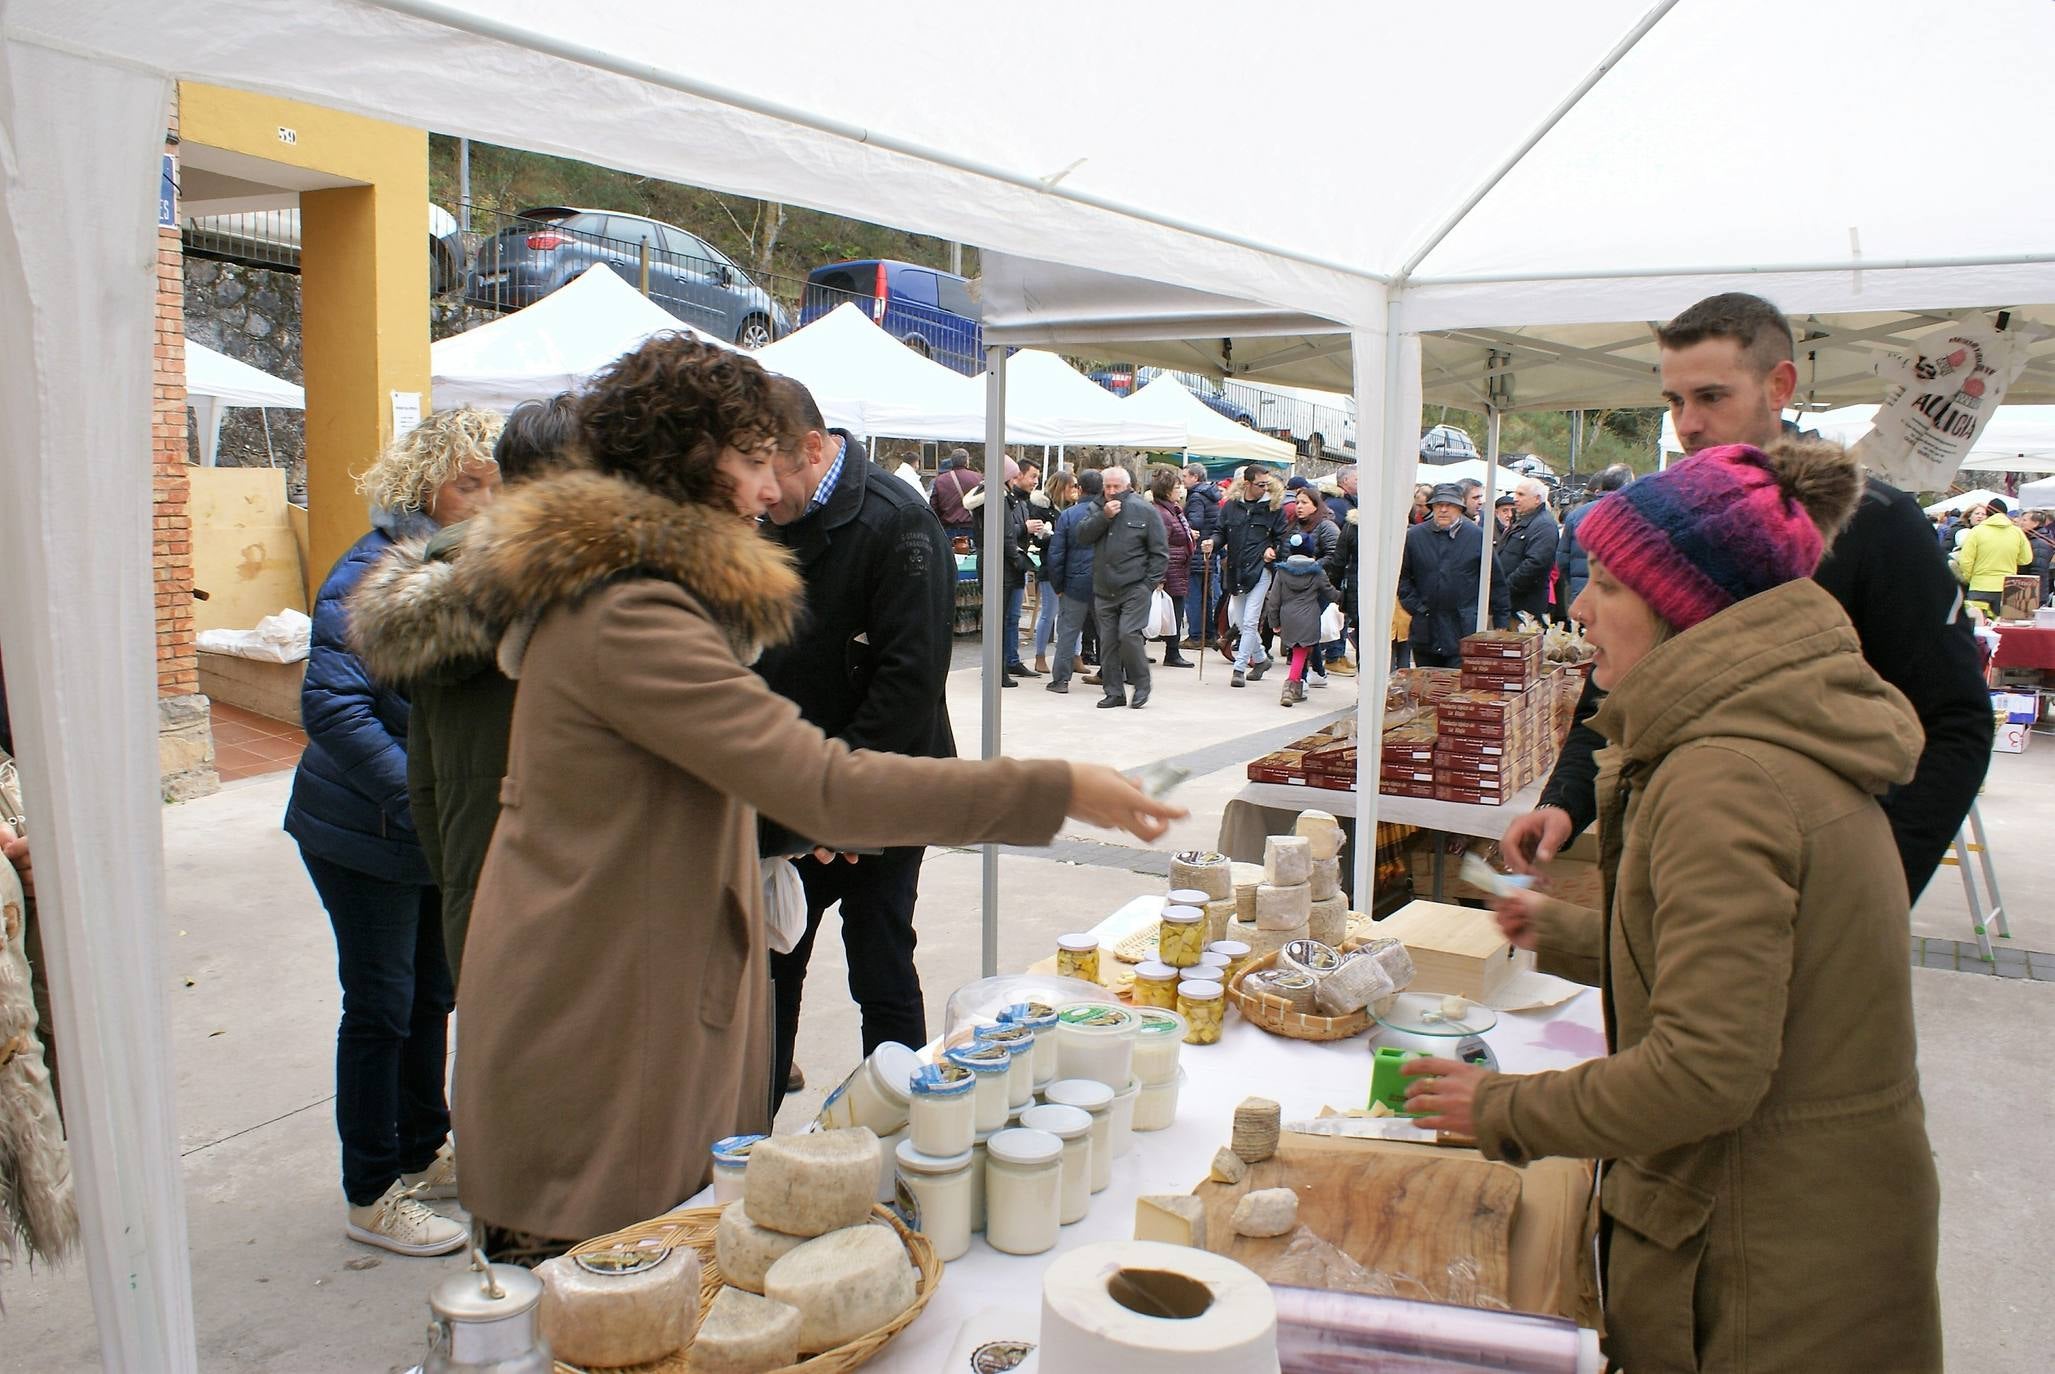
(1821, 477)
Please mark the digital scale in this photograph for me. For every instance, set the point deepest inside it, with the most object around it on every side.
(1411, 1026)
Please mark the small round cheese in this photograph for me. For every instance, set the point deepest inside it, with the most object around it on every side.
(1266, 1212)
(845, 1284)
(809, 1185)
(746, 1251)
(746, 1334)
(613, 1319)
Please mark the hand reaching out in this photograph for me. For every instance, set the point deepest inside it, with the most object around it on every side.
(1103, 797)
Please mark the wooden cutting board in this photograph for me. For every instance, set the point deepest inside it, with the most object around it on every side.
(1396, 1214)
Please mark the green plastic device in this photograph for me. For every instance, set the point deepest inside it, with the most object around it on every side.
(1387, 1082)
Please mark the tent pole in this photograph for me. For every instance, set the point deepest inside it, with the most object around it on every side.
(1488, 517)
(992, 576)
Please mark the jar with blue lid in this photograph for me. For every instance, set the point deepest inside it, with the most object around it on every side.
(1040, 1018)
(731, 1160)
(1019, 1041)
(989, 1066)
(944, 1115)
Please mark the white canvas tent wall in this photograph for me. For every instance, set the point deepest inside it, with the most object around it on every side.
(2036, 495)
(1964, 500)
(550, 346)
(1532, 208)
(1201, 430)
(2017, 438)
(869, 383)
(215, 381)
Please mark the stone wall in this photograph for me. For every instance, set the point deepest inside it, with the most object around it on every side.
(253, 315)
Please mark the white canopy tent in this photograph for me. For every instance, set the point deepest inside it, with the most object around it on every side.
(1467, 470)
(550, 346)
(1527, 214)
(1203, 431)
(215, 381)
(2033, 495)
(1964, 500)
(869, 383)
(2017, 438)
(1050, 402)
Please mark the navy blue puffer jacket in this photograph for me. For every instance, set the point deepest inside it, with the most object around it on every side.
(1068, 564)
(349, 799)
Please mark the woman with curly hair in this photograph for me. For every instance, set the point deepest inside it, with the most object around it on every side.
(616, 999)
(350, 814)
(1166, 489)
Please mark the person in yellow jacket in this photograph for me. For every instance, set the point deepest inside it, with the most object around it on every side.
(1992, 552)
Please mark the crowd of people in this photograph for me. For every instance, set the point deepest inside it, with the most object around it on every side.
(1986, 544)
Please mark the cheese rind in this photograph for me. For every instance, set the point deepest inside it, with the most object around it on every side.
(746, 1334)
(1280, 908)
(1322, 833)
(1329, 920)
(610, 1320)
(809, 1185)
(845, 1284)
(1326, 878)
(1212, 874)
(746, 1251)
(1227, 1167)
(1247, 878)
(1287, 860)
(1258, 1122)
(1173, 1218)
(1266, 1212)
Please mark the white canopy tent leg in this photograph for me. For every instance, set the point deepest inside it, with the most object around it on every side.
(1488, 517)
(207, 418)
(78, 264)
(992, 580)
(1387, 368)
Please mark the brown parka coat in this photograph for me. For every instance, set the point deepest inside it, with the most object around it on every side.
(614, 1019)
(1769, 1200)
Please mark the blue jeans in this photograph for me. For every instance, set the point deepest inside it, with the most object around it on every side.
(391, 1050)
(1014, 597)
(1249, 651)
(1202, 598)
(1046, 610)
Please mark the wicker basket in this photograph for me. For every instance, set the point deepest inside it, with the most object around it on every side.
(695, 1227)
(1277, 1016)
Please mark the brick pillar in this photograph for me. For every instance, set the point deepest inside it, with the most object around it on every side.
(185, 734)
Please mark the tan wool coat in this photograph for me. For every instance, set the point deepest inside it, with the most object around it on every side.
(614, 1019)
(1769, 1200)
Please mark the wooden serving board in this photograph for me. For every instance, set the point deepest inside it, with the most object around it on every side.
(1398, 1214)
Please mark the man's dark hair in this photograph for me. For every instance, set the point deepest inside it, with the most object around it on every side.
(958, 458)
(1470, 484)
(800, 411)
(1759, 327)
(1994, 506)
(1613, 478)
(1091, 483)
(538, 437)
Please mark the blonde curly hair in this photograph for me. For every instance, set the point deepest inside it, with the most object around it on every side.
(406, 476)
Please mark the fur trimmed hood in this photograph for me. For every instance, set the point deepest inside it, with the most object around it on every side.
(409, 619)
(557, 540)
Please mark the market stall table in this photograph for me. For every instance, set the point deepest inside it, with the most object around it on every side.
(1269, 808)
(2025, 646)
(1302, 1076)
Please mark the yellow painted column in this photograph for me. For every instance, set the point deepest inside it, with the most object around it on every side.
(364, 335)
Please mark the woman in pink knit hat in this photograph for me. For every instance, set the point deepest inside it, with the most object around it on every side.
(1769, 1200)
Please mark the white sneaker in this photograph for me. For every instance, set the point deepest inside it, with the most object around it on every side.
(438, 1181)
(398, 1223)
(1319, 680)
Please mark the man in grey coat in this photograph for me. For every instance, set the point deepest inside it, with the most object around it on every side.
(1130, 554)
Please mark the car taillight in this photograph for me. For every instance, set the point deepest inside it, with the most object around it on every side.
(878, 295)
(543, 243)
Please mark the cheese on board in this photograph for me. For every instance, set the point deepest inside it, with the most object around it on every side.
(845, 1284)
(809, 1185)
(612, 1319)
(1227, 1167)
(1266, 1212)
(746, 1251)
(746, 1334)
(1258, 1122)
(1173, 1218)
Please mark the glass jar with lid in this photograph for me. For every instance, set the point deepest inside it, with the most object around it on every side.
(874, 1094)
(1023, 1191)
(1155, 985)
(1096, 1101)
(1040, 1018)
(1077, 956)
(989, 1065)
(933, 1197)
(1019, 1042)
(1072, 1126)
(1181, 938)
(731, 1162)
(944, 1116)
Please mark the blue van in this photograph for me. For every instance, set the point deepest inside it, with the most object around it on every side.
(927, 309)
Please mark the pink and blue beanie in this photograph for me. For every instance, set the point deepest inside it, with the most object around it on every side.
(1711, 530)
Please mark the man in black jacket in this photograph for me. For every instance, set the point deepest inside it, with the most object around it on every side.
(1202, 512)
(1527, 555)
(1130, 555)
(868, 668)
(1727, 373)
(1251, 532)
(1438, 576)
(1023, 531)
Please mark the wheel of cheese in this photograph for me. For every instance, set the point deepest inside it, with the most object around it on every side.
(809, 1185)
(1262, 942)
(1203, 871)
(1280, 908)
(746, 1251)
(1287, 859)
(1326, 878)
(1321, 831)
(1329, 921)
(612, 1319)
(746, 1334)
(845, 1284)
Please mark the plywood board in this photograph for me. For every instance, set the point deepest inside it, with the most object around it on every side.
(1455, 949)
(246, 559)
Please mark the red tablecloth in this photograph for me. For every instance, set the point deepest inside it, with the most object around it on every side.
(2022, 647)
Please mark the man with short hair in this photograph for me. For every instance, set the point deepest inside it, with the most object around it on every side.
(2040, 537)
(1438, 577)
(1069, 566)
(1252, 530)
(1473, 500)
(1130, 555)
(1990, 553)
(1527, 552)
(1572, 564)
(869, 668)
(945, 498)
(1727, 374)
(1202, 512)
(1021, 531)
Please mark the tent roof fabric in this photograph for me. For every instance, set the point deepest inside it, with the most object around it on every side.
(868, 382)
(551, 346)
(1050, 402)
(1204, 431)
(1967, 499)
(216, 375)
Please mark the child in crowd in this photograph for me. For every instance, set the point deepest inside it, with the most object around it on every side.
(1298, 594)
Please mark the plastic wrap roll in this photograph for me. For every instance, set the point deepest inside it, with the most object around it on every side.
(1319, 1331)
(1144, 1307)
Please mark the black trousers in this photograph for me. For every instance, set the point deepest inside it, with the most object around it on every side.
(1427, 658)
(877, 894)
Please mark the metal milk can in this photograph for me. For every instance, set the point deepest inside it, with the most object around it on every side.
(486, 1321)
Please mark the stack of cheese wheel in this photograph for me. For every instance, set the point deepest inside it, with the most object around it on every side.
(1328, 920)
(806, 1270)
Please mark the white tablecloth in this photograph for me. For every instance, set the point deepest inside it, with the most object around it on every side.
(1302, 1076)
(1456, 818)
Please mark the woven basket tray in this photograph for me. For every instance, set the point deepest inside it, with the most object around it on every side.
(695, 1227)
(1277, 1016)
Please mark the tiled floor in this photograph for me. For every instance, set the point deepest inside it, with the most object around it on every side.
(247, 745)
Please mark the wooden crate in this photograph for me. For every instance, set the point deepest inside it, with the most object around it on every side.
(1455, 949)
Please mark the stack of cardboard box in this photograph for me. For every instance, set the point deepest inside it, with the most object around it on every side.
(1501, 661)
(1490, 744)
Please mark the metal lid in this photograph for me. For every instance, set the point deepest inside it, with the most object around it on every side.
(1187, 896)
(1203, 973)
(1233, 949)
(982, 1058)
(1020, 1145)
(1038, 1015)
(734, 1149)
(485, 1293)
(1199, 990)
(1183, 915)
(1153, 972)
(1077, 944)
(1017, 1039)
(1066, 1123)
(1215, 959)
(914, 1162)
(941, 1080)
(1088, 1094)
